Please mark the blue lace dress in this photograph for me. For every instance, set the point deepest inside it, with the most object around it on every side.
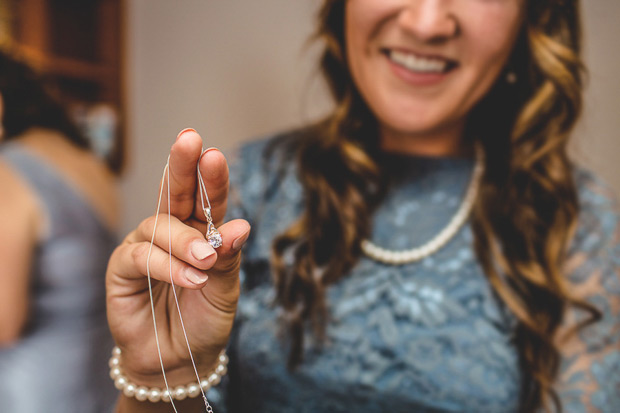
(430, 336)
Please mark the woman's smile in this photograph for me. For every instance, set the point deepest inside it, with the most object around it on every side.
(417, 69)
(422, 66)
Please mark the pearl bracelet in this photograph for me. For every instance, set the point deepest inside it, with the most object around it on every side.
(155, 394)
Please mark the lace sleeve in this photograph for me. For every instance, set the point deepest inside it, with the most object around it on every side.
(589, 377)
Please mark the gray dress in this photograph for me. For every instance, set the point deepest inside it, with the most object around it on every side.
(60, 363)
(430, 336)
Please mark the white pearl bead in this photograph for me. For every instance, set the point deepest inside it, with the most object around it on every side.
(214, 379)
(221, 369)
(180, 392)
(193, 390)
(114, 362)
(154, 395)
(115, 372)
(142, 393)
(130, 390)
(120, 382)
(205, 385)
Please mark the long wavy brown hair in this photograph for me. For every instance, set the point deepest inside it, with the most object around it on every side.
(524, 216)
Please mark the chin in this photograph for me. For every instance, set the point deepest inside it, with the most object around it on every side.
(414, 125)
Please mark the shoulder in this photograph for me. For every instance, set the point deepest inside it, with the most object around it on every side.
(593, 191)
(593, 270)
(593, 264)
(15, 188)
(20, 204)
(598, 228)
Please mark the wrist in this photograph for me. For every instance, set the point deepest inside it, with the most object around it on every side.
(142, 365)
(181, 382)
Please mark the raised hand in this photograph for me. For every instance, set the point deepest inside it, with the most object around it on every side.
(208, 307)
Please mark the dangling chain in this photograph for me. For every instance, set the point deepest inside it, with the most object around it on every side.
(213, 237)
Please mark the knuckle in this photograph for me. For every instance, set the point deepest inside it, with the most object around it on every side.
(117, 256)
(139, 252)
(147, 225)
(178, 271)
(186, 236)
(117, 253)
(160, 261)
(182, 197)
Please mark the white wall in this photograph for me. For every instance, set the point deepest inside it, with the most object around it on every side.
(236, 69)
(597, 140)
(232, 70)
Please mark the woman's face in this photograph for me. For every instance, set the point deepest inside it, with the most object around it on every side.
(422, 65)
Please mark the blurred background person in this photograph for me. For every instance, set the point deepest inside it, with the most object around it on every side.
(58, 217)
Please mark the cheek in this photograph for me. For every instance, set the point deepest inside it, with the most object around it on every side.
(357, 29)
(364, 19)
(490, 31)
(489, 38)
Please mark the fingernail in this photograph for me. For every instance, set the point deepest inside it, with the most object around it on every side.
(195, 276)
(205, 152)
(201, 250)
(239, 242)
(185, 130)
(210, 149)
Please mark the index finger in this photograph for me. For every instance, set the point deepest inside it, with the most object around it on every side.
(184, 155)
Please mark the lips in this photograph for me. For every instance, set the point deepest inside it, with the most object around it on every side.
(420, 64)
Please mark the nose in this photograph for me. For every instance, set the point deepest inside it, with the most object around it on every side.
(429, 20)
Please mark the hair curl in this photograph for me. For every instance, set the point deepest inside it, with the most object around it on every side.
(28, 101)
(524, 217)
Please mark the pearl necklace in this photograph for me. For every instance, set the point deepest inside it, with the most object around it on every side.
(460, 217)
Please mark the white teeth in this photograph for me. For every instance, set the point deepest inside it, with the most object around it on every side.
(418, 64)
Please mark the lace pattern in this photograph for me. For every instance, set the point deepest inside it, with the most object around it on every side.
(425, 337)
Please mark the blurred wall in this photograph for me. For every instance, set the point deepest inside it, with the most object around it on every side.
(597, 138)
(237, 69)
(232, 70)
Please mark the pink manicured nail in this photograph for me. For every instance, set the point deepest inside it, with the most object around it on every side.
(201, 250)
(195, 276)
(239, 242)
(185, 130)
(213, 148)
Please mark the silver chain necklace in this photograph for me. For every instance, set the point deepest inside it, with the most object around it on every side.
(400, 257)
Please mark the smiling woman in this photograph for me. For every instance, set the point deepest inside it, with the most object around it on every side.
(448, 139)
(422, 69)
